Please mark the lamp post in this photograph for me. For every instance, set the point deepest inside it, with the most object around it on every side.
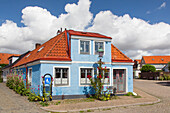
(100, 51)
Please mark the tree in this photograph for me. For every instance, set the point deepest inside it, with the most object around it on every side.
(169, 66)
(148, 68)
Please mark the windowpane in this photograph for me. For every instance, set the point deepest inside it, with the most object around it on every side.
(61, 76)
(84, 47)
(98, 45)
(84, 73)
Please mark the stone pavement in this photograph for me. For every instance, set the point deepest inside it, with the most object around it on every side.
(10, 102)
(111, 105)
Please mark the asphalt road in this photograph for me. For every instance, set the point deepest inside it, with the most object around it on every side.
(160, 89)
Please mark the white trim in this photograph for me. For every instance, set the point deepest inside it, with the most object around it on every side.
(29, 75)
(122, 63)
(68, 62)
(69, 76)
(126, 69)
(89, 46)
(94, 46)
(80, 75)
(90, 38)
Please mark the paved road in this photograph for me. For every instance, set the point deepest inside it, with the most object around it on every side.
(157, 88)
(10, 102)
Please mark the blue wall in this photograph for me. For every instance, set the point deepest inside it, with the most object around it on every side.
(74, 87)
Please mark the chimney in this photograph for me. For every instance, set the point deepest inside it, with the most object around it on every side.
(37, 45)
(59, 31)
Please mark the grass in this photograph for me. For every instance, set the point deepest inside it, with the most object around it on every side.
(146, 104)
(106, 109)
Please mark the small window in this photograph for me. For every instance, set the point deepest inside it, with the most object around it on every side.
(27, 55)
(61, 76)
(84, 72)
(84, 47)
(0, 59)
(40, 49)
(30, 76)
(106, 77)
(98, 45)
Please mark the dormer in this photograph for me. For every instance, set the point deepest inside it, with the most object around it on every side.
(12, 59)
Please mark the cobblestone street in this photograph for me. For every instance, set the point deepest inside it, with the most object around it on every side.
(10, 102)
(160, 89)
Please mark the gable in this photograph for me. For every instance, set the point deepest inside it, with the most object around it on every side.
(118, 56)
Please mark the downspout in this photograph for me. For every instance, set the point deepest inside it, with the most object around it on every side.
(26, 76)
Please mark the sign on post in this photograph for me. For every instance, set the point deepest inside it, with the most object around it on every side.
(47, 80)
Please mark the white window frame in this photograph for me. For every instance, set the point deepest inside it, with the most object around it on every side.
(29, 79)
(87, 78)
(109, 76)
(80, 47)
(126, 69)
(94, 47)
(69, 76)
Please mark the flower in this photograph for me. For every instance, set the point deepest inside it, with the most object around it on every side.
(42, 77)
(38, 85)
(89, 76)
(100, 76)
(107, 76)
(38, 88)
(24, 79)
(105, 67)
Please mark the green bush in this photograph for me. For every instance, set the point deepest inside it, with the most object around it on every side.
(148, 68)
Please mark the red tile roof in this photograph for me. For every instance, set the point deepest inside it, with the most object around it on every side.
(156, 59)
(57, 49)
(89, 34)
(139, 61)
(4, 57)
(54, 49)
(118, 56)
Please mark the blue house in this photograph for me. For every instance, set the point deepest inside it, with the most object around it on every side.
(69, 57)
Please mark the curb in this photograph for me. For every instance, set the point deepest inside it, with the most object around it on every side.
(100, 108)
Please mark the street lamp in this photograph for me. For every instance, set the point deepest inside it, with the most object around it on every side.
(100, 51)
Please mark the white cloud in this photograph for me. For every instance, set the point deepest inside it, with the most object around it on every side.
(162, 5)
(134, 36)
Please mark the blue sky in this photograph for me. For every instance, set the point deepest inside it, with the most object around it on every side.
(11, 9)
(137, 27)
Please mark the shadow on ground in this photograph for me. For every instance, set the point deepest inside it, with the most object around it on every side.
(164, 83)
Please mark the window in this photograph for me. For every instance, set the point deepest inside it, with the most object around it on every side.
(29, 76)
(61, 76)
(84, 72)
(98, 45)
(40, 49)
(106, 77)
(84, 47)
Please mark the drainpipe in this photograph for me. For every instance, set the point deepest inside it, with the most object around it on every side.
(26, 76)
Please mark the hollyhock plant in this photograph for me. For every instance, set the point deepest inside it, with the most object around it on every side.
(89, 76)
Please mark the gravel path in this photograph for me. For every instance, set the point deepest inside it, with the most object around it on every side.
(10, 102)
(160, 89)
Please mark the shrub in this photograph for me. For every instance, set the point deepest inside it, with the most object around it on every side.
(148, 68)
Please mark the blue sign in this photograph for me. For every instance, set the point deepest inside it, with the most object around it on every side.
(47, 80)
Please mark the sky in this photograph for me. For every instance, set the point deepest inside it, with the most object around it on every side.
(137, 27)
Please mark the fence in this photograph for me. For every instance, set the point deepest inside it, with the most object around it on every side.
(152, 75)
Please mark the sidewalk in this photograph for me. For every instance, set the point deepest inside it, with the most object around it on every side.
(121, 102)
